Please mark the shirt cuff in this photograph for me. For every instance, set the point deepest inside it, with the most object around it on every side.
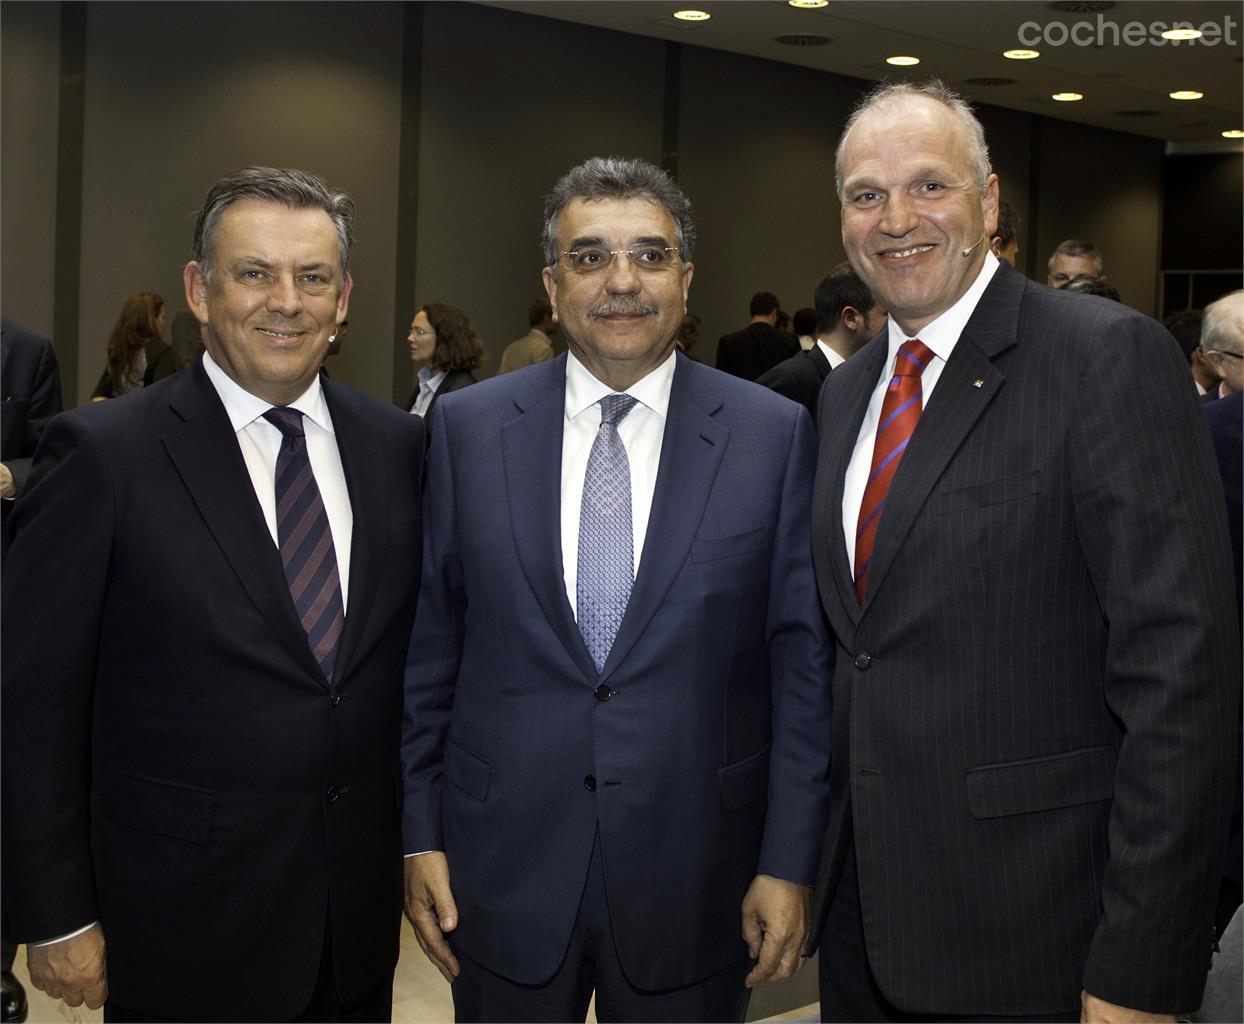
(62, 938)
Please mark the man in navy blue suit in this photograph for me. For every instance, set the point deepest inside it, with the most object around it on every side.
(617, 715)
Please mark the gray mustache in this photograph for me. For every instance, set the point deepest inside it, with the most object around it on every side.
(621, 307)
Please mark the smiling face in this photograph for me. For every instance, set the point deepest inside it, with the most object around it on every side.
(621, 320)
(910, 207)
(271, 296)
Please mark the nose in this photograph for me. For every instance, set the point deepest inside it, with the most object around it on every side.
(898, 216)
(623, 276)
(284, 297)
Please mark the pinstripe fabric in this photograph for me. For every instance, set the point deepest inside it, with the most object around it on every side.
(1034, 709)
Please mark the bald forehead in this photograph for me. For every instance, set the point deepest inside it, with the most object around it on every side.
(906, 112)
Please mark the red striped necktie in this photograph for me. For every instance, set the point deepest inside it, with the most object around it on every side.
(900, 412)
(306, 541)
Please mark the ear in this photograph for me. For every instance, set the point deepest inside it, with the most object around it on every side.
(195, 282)
(343, 300)
(550, 289)
(688, 271)
(852, 318)
(989, 200)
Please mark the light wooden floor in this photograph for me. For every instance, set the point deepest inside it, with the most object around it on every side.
(420, 994)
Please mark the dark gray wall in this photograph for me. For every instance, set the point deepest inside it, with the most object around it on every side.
(499, 104)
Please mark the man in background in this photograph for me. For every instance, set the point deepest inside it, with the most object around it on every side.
(1071, 259)
(758, 346)
(1222, 340)
(535, 346)
(1004, 242)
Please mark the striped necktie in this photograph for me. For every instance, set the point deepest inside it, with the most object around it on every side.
(306, 541)
(900, 412)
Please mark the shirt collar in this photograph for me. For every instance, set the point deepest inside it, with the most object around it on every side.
(243, 408)
(430, 379)
(942, 334)
(835, 360)
(584, 390)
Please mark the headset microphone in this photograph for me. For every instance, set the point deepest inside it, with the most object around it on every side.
(968, 250)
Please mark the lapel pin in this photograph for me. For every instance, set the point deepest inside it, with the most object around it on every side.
(978, 383)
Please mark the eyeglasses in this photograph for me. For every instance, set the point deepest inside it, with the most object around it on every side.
(419, 332)
(646, 257)
(1229, 355)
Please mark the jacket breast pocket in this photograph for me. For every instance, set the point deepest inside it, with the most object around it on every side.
(159, 806)
(712, 548)
(1041, 783)
(469, 773)
(745, 781)
(988, 492)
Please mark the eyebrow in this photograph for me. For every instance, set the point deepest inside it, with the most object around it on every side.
(582, 242)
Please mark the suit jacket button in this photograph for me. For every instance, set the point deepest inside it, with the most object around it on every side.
(589, 783)
(862, 661)
(603, 693)
(331, 795)
(335, 699)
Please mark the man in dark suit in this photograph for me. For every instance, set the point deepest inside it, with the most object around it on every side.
(202, 675)
(759, 345)
(1222, 341)
(30, 385)
(602, 765)
(846, 318)
(1019, 543)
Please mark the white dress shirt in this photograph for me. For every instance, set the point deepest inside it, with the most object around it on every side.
(260, 442)
(642, 430)
(428, 384)
(941, 336)
(835, 360)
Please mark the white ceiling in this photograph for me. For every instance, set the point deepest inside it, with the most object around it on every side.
(959, 40)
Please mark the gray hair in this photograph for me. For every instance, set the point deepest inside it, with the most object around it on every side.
(936, 90)
(613, 177)
(288, 186)
(1224, 320)
(1078, 249)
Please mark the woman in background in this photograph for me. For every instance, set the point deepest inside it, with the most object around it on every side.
(137, 354)
(445, 349)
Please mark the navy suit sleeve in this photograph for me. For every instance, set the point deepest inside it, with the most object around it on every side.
(435, 651)
(801, 670)
(55, 578)
(1149, 514)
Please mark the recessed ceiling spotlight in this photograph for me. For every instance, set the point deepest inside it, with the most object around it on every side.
(692, 15)
(1067, 97)
(1187, 94)
(1021, 54)
(902, 62)
(808, 5)
(1179, 34)
(1233, 133)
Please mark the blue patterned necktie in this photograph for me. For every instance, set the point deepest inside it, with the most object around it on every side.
(606, 550)
(306, 541)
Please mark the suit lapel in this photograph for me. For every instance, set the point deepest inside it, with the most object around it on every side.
(967, 385)
(819, 361)
(533, 484)
(204, 450)
(691, 452)
(365, 481)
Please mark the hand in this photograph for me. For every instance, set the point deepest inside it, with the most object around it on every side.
(430, 908)
(7, 489)
(1098, 1011)
(775, 923)
(72, 970)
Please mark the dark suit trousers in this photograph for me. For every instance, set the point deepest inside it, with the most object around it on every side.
(848, 990)
(592, 963)
(323, 1006)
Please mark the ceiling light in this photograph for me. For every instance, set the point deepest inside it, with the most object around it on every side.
(1021, 54)
(692, 15)
(1233, 133)
(1179, 34)
(808, 4)
(1067, 97)
(1187, 94)
(902, 62)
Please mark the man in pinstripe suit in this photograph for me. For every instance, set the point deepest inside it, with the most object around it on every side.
(1017, 542)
